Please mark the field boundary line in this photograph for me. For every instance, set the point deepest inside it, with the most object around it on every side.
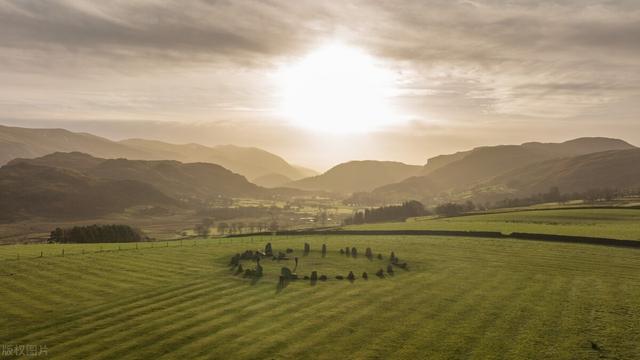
(462, 233)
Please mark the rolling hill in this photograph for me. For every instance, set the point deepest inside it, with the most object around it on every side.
(459, 172)
(248, 161)
(272, 180)
(28, 190)
(608, 169)
(173, 178)
(17, 142)
(355, 176)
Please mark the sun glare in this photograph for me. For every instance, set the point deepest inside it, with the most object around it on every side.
(337, 89)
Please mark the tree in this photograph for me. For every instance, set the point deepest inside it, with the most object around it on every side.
(449, 209)
(222, 228)
(202, 229)
(240, 226)
(273, 226)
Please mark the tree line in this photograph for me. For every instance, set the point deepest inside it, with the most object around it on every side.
(550, 196)
(388, 213)
(96, 234)
(204, 227)
(554, 195)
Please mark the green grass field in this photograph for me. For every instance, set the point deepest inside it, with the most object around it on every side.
(612, 223)
(462, 298)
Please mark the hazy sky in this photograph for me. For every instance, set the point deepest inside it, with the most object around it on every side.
(462, 73)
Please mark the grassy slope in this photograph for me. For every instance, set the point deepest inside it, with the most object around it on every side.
(463, 298)
(613, 223)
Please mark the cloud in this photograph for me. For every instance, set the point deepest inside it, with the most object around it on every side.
(462, 63)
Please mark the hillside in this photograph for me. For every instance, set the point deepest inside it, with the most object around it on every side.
(357, 176)
(458, 172)
(28, 191)
(609, 169)
(537, 151)
(248, 161)
(175, 179)
(272, 180)
(17, 142)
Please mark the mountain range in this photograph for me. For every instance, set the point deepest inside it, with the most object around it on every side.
(77, 181)
(496, 169)
(17, 142)
(51, 171)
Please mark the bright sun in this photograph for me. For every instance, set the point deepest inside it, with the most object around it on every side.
(337, 89)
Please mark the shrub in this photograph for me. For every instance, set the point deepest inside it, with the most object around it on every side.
(368, 253)
(289, 250)
(380, 273)
(365, 275)
(305, 277)
(379, 256)
(354, 252)
(351, 277)
(339, 277)
(323, 278)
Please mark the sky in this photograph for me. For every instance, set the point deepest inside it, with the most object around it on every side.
(411, 79)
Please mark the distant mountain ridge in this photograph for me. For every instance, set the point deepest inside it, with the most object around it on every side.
(356, 176)
(618, 169)
(459, 172)
(248, 161)
(17, 142)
